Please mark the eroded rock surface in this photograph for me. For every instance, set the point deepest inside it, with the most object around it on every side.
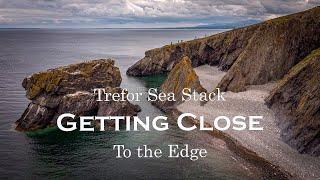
(296, 102)
(69, 89)
(182, 76)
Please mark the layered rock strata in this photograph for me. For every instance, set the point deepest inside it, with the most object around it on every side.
(69, 89)
(182, 76)
(296, 102)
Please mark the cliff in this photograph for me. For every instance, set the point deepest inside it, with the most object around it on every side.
(296, 102)
(274, 50)
(221, 49)
(182, 76)
(69, 89)
(252, 55)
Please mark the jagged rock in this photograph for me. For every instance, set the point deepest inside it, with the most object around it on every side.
(182, 76)
(35, 117)
(296, 102)
(69, 89)
(73, 78)
(252, 55)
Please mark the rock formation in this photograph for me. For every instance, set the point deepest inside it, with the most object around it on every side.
(252, 55)
(220, 49)
(296, 102)
(69, 89)
(275, 47)
(182, 76)
(256, 55)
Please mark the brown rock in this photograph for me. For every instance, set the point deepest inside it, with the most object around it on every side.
(69, 89)
(296, 102)
(70, 79)
(275, 47)
(220, 49)
(182, 76)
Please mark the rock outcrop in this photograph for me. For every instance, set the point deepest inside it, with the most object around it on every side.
(182, 76)
(296, 102)
(252, 55)
(69, 89)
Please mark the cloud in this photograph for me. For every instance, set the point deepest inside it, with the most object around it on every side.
(180, 12)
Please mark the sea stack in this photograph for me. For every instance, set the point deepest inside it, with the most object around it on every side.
(182, 76)
(69, 89)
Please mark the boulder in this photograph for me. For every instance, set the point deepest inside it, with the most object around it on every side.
(69, 89)
(296, 102)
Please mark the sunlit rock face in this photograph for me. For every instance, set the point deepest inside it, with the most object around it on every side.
(69, 89)
(296, 101)
(182, 76)
(76, 77)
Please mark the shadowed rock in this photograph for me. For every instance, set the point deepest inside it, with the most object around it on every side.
(296, 102)
(69, 89)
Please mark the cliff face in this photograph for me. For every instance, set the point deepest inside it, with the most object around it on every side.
(296, 102)
(275, 47)
(252, 55)
(221, 49)
(278, 49)
(182, 76)
(69, 89)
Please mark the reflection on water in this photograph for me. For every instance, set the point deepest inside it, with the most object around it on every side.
(51, 153)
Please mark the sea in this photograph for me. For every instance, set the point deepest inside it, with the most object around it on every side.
(53, 154)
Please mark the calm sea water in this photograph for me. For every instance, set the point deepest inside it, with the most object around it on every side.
(54, 154)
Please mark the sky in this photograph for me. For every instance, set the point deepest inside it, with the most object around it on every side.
(142, 13)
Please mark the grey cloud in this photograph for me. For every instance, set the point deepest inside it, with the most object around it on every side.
(146, 11)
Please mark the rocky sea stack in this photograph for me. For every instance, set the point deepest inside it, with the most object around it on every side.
(279, 50)
(69, 89)
(182, 76)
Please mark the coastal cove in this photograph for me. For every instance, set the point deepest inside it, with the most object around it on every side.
(51, 153)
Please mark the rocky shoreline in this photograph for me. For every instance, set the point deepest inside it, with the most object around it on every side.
(269, 169)
(276, 50)
(266, 144)
(283, 51)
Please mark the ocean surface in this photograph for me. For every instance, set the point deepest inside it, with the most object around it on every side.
(52, 154)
